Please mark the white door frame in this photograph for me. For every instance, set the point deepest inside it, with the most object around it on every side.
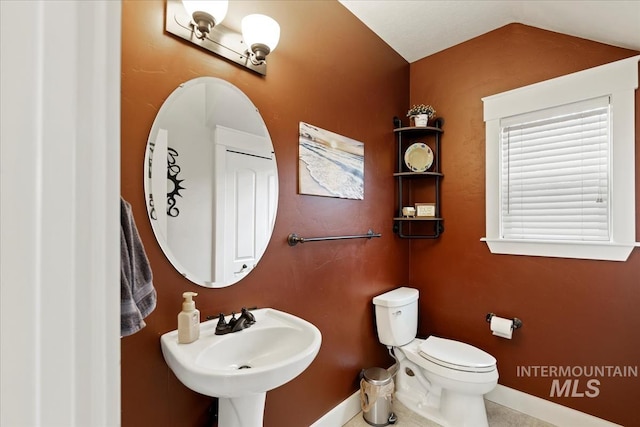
(59, 213)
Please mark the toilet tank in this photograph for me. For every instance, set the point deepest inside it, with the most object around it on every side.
(397, 316)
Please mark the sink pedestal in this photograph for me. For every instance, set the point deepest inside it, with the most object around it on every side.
(245, 411)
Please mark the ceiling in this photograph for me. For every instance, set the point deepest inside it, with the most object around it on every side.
(419, 28)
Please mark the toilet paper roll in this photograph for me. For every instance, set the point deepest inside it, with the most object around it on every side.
(501, 327)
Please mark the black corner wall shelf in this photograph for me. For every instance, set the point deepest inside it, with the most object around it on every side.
(409, 182)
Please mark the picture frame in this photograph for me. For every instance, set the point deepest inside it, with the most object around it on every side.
(425, 209)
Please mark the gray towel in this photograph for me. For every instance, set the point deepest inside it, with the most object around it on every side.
(137, 294)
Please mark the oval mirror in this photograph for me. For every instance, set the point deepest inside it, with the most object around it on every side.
(211, 182)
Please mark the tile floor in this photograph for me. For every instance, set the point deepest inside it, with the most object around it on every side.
(498, 415)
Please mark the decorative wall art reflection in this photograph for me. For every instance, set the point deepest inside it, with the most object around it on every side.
(174, 184)
(330, 165)
(152, 207)
(173, 169)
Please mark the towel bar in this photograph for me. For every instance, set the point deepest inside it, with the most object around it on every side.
(293, 239)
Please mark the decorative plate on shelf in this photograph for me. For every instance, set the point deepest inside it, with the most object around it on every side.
(418, 157)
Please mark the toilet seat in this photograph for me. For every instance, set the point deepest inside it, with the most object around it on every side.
(456, 355)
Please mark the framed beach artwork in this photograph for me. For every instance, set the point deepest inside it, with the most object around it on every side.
(330, 165)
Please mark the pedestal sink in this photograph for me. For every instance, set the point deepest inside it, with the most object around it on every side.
(239, 368)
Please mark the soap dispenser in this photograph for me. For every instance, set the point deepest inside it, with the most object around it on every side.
(188, 320)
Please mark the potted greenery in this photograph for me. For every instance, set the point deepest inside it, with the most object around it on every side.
(421, 114)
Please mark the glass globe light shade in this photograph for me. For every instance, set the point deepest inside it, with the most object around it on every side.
(216, 8)
(260, 30)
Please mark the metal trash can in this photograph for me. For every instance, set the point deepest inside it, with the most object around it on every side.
(376, 397)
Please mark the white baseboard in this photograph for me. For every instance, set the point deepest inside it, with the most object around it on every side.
(338, 416)
(511, 398)
(544, 410)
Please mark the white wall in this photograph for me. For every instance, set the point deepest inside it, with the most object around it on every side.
(59, 217)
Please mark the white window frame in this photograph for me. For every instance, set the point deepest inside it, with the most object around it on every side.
(618, 80)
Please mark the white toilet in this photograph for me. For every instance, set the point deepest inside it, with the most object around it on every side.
(440, 379)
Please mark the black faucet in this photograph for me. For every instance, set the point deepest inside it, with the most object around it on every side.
(246, 314)
(245, 320)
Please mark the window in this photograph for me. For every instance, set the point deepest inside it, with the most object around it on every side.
(560, 165)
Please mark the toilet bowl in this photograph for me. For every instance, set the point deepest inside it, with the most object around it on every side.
(433, 388)
(440, 379)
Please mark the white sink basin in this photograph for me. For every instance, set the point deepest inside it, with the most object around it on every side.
(242, 366)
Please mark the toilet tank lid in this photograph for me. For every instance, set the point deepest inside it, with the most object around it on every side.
(397, 297)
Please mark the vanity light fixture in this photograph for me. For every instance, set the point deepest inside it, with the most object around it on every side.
(199, 22)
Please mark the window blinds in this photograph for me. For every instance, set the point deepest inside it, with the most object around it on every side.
(555, 173)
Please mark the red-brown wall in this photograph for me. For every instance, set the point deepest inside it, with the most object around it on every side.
(328, 70)
(575, 312)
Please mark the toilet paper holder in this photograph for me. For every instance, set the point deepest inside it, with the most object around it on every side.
(517, 323)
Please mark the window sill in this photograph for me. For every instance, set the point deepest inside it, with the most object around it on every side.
(605, 251)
